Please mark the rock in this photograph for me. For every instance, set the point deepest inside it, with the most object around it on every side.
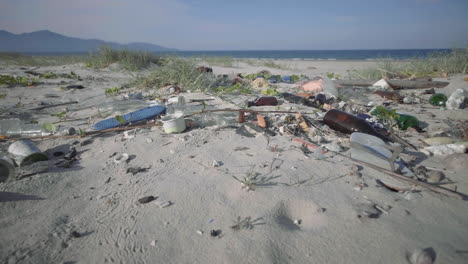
(71, 154)
(153, 243)
(146, 199)
(456, 100)
(382, 83)
(215, 233)
(86, 142)
(446, 150)
(435, 176)
(456, 162)
(75, 234)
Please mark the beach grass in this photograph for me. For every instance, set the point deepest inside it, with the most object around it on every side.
(438, 64)
(182, 72)
(129, 60)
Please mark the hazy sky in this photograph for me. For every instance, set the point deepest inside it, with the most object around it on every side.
(249, 24)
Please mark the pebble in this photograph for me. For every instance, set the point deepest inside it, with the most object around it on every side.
(297, 221)
(321, 210)
(435, 176)
(86, 142)
(423, 256)
(146, 199)
(75, 234)
(368, 210)
(149, 140)
(214, 233)
(153, 243)
(200, 232)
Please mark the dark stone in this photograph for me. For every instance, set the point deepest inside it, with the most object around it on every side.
(58, 153)
(86, 142)
(76, 142)
(71, 154)
(146, 199)
(135, 170)
(75, 87)
(75, 234)
(215, 233)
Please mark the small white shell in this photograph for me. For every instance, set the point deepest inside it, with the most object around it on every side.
(120, 158)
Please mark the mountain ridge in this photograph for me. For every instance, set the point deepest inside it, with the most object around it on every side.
(49, 41)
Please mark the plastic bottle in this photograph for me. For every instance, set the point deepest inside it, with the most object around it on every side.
(186, 109)
(438, 99)
(114, 108)
(347, 123)
(263, 100)
(16, 128)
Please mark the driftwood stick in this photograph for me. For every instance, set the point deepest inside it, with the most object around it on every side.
(53, 105)
(248, 111)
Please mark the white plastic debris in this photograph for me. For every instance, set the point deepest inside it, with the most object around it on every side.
(382, 83)
(445, 150)
(200, 232)
(165, 204)
(216, 164)
(456, 100)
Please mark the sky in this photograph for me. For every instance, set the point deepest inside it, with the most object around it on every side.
(249, 24)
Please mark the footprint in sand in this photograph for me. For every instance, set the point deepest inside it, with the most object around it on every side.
(298, 215)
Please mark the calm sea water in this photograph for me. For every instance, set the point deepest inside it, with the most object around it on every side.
(316, 54)
(305, 54)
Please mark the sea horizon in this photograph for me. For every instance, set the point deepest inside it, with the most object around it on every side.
(350, 54)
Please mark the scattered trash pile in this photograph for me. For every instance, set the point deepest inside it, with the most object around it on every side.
(323, 115)
(359, 120)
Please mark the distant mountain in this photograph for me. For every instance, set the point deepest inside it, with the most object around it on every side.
(47, 41)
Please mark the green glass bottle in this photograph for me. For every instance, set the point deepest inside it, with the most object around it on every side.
(407, 121)
(438, 99)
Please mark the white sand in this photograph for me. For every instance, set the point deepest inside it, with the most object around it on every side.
(38, 213)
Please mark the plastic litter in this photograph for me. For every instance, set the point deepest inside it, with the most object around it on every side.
(456, 100)
(139, 115)
(24, 152)
(173, 123)
(16, 128)
(382, 83)
(445, 150)
(7, 168)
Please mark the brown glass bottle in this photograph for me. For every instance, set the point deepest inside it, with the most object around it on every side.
(263, 100)
(347, 123)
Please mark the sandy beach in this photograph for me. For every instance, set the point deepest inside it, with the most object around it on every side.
(303, 210)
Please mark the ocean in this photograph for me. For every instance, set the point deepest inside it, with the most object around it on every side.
(399, 54)
(375, 54)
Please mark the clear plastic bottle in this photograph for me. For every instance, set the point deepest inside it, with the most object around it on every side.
(186, 109)
(114, 108)
(16, 128)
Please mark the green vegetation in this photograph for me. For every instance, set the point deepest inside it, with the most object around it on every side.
(270, 91)
(51, 75)
(8, 58)
(120, 119)
(112, 91)
(222, 61)
(49, 127)
(129, 60)
(60, 116)
(439, 64)
(388, 117)
(178, 71)
(12, 81)
(2, 96)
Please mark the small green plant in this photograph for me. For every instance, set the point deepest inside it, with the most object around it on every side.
(2, 96)
(129, 60)
(112, 91)
(238, 87)
(249, 181)
(120, 119)
(60, 116)
(388, 117)
(49, 127)
(270, 91)
(295, 78)
(81, 132)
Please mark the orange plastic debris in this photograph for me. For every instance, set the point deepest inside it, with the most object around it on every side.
(261, 121)
(313, 86)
